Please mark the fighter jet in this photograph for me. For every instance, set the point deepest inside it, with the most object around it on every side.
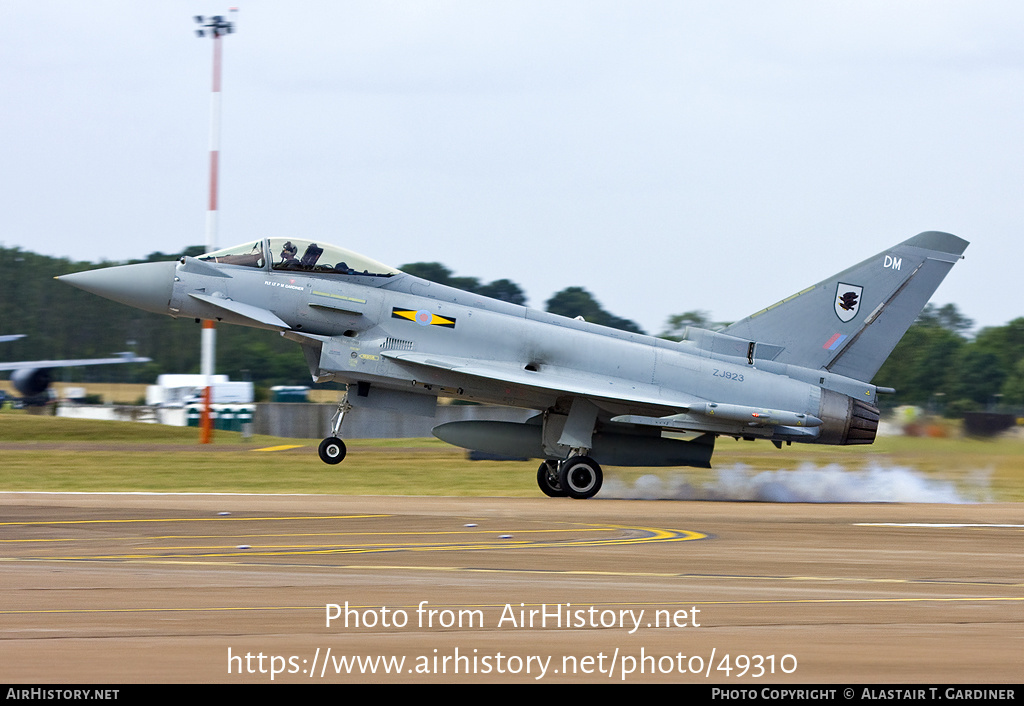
(796, 371)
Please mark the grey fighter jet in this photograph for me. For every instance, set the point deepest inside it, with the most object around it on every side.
(798, 370)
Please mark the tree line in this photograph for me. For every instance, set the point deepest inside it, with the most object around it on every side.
(938, 364)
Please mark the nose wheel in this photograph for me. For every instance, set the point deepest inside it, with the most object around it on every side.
(332, 450)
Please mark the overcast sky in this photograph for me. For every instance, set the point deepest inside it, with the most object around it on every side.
(667, 156)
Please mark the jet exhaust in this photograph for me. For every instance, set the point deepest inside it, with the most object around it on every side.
(847, 421)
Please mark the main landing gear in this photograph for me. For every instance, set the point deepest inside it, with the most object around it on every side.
(547, 479)
(332, 449)
(577, 477)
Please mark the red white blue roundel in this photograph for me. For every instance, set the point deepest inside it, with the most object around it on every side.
(847, 301)
(423, 317)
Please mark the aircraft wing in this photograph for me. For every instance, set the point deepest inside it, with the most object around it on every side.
(689, 413)
(22, 364)
(571, 382)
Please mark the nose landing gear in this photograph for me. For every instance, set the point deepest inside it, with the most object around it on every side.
(332, 449)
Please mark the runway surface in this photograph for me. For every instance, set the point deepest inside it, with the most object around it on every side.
(166, 588)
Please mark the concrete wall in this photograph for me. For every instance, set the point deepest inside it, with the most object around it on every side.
(313, 421)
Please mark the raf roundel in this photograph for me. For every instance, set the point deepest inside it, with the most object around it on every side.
(423, 317)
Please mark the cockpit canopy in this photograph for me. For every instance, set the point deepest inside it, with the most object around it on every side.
(295, 255)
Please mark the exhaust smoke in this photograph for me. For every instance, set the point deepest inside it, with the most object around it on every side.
(807, 484)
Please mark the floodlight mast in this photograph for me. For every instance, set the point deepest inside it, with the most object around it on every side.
(214, 27)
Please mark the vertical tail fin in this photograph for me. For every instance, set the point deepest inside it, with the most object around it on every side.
(849, 323)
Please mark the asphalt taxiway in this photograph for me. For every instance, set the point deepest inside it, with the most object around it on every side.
(239, 588)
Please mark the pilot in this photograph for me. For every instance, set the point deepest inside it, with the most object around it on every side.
(288, 260)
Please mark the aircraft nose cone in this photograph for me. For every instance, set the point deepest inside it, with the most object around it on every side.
(147, 285)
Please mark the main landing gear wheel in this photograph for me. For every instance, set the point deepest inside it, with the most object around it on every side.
(580, 476)
(547, 479)
(332, 450)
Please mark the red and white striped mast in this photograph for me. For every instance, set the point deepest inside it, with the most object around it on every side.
(214, 27)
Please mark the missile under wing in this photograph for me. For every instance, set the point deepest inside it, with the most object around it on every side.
(796, 371)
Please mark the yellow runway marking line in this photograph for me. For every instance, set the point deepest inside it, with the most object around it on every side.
(650, 534)
(188, 519)
(364, 549)
(489, 535)
(647, 535)
(308, 534)
(195, 561)
(280, 448)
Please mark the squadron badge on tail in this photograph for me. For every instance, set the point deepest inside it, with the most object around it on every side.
(847, 301)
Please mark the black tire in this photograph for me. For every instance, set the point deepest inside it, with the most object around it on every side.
(580, 476)
(332, 450)
(547, 479)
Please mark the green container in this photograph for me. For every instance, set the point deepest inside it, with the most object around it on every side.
(224, 417)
